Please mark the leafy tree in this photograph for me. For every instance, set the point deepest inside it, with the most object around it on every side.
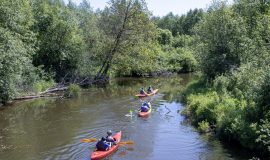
(16, 47)
(190, 20)
(182, 61)
(263, 136)
(180, 24)
(183, 41)
(225, 41)
(168, 22)
(93, 37)
(255, 14)
(165, 37)
(145, 60)
(127, 25)
(60, 43)
(263, 99)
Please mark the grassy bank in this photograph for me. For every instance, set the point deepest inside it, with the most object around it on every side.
(234, 119)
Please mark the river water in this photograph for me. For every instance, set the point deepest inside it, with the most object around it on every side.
(52, 128)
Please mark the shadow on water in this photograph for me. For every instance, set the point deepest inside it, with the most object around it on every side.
(52, 128)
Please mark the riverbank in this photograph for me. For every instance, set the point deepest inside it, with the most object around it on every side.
(66, 90)
(227, 115)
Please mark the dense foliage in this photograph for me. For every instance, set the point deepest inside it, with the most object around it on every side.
(16, 47)
(233, 54)
(60, 43)
(180, 25)
(42, 41)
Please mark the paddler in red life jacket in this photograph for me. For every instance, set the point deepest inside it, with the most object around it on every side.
(110, 139)
(145, 107)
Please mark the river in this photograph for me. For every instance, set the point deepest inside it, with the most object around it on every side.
(51, 128)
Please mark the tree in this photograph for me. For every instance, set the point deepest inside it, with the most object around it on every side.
(16, 47)
(165, 37)
(93, 37)
(255, 14)
(190, 20)
(60, 42)
(180, 25)
(169, 22)
(224, 41)
(126, 24)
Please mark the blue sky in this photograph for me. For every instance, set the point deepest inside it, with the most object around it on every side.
(161, 7)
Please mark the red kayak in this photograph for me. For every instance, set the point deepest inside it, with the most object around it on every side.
(146, 95)
(145, 114)
(102, 154)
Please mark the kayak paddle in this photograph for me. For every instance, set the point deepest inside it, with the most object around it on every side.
(89, 140)
(94, 140)
(126, 142)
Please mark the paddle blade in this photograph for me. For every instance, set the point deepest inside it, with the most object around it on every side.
(126, 142)
(89, 140)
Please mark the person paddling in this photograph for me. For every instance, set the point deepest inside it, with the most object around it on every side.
(149, 90)
(102, 145)
(105, 144)
(142, 91)
(145, 107)
(110, 139)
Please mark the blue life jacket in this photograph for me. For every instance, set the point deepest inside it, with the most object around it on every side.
(102, 145)
(142, 92)
(144, 108)
(149, 90)
(146, 104)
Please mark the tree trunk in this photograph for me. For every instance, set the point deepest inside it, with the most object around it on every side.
(107, 63)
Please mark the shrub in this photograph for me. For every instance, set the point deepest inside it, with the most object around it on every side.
(42, 85)
(188, 62)
(182, 60)
(263, 135)
(182, 41)
(164, 36)
(73, 91)
(203, 126)
(201, 107)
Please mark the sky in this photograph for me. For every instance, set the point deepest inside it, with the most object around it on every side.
(161, 7)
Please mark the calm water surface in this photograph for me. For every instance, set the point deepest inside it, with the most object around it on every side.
(52, 128)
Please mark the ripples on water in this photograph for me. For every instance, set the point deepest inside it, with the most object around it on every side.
(52, 129)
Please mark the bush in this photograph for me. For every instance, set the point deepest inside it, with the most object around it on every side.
(202, 107)
(263, 133)
(188, 63)
(182, 60)
(203, 126)
(182, 41)
(236, 119)
(164, 36)
(14, 62)
(263, 96)
(43, 85)
(73, 91)
(225, 41)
